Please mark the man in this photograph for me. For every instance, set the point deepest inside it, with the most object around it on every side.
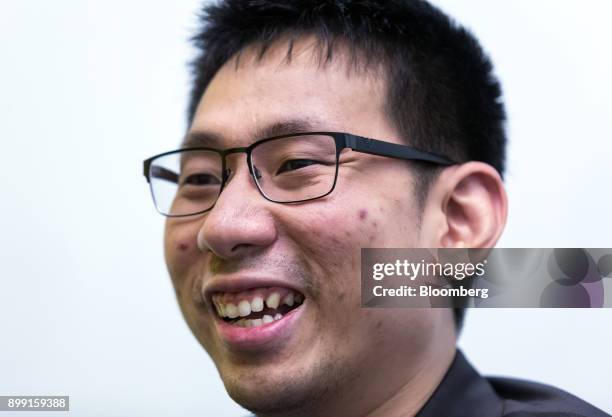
(278, 186)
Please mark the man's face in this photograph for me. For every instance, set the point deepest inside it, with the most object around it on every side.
(249, 247)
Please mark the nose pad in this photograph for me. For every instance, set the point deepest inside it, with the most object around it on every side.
(226, 175)
(256, 172)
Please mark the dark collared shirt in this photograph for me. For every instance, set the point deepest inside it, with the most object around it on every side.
(465, 393)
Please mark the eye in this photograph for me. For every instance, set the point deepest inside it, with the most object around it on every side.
(201, 179)
(295, 164)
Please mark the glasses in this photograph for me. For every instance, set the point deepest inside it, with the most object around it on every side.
(286, 169)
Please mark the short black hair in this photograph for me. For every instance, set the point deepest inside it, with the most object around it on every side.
(441, 93)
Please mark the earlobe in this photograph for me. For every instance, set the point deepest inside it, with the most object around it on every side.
(475, 206)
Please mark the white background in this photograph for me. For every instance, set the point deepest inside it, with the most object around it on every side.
(88, 89)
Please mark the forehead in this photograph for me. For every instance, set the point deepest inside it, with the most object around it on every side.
(249, 93)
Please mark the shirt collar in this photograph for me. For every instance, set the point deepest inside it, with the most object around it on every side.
(463, 392)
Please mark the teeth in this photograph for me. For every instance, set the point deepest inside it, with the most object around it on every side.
(257, 322)
(288, 299)
(217, 308)
(273, 300)
(253, 322)
(257, 304)
(231, 311)
(244, 308)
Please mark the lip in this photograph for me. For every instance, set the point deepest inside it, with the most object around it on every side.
(260, 337)
(251, 338)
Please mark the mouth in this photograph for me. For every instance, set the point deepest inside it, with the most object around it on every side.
(256, 316)
(256, 307)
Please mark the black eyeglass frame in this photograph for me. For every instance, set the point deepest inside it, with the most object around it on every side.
(343, 141)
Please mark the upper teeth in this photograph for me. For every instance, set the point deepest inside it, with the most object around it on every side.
(273, 300)
(241, 305)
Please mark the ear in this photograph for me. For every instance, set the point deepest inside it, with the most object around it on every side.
(467, 206)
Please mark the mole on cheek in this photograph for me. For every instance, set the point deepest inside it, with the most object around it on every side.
(363, 214)
(182, 246)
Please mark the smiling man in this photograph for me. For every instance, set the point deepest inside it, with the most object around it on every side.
(318, 128)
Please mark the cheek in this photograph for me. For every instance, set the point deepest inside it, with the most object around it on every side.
(182, 255)
(329, 238)
(180, 248)
(334, 234)
(377, 227)
(329, 242)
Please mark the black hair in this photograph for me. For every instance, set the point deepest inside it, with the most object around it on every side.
(442, 95)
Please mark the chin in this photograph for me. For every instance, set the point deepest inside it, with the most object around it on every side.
(270, 396)
(279, 390)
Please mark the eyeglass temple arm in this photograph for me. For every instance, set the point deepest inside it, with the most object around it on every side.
(163, 173)
(393, 150)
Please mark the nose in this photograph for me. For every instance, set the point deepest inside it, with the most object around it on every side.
(240, 223)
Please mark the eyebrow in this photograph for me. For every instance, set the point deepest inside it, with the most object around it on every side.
(211, 139)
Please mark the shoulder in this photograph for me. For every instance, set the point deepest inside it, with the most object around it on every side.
(531, 399)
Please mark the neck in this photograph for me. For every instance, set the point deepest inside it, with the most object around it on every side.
(401, 385)
(398, 385)
(410, 397)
